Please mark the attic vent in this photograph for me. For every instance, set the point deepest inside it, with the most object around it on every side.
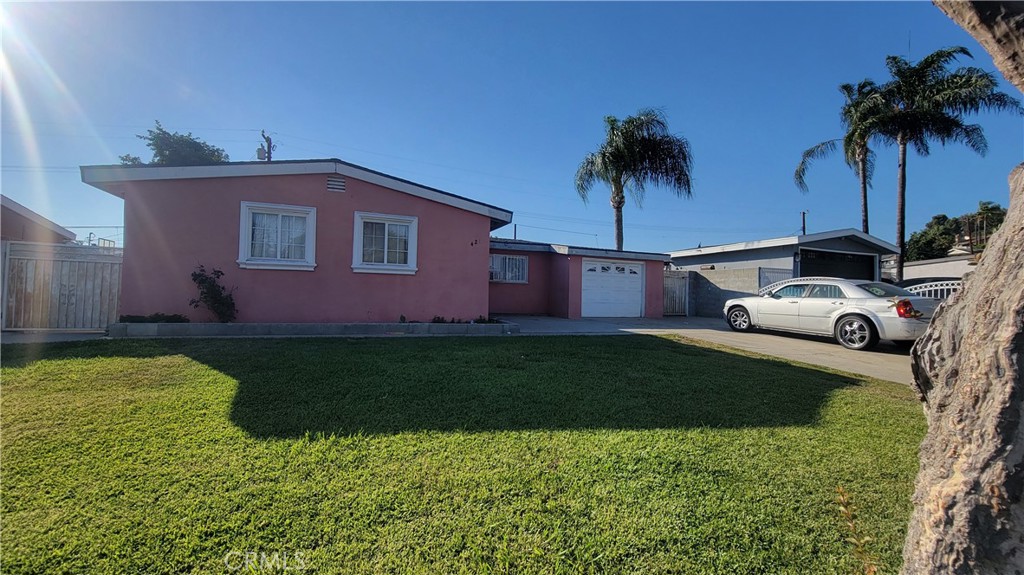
(335, 183)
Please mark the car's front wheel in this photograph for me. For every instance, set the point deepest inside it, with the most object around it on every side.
(856, 332)
(739, 319)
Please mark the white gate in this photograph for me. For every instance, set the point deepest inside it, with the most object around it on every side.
(768, 276)
(677, 285)
(60, 286)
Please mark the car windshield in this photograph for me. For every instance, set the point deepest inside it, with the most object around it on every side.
(884, 290)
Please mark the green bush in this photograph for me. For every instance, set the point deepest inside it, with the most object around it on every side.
(214, 296)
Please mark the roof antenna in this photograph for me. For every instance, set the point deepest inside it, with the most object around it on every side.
(803, 223)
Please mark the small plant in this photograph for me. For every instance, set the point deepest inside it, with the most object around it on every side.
(483, 319)
(859, 541)
(154, 318)
(401, 319)
(214, 296)
(442, 319)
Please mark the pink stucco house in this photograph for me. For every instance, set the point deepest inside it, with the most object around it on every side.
(531, 278)
(326, 241)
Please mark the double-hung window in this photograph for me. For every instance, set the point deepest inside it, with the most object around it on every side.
(276, 236)
(384, 243)
(509, 269)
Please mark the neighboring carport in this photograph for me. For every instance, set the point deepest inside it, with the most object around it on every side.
(719, 273)
(845, 253)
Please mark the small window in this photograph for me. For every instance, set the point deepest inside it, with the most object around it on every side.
(620, 269)
(606, 269)
(509, 269)
(275, 236)
(826, 291)
(591, 269)
(384, 244)
(795, 290)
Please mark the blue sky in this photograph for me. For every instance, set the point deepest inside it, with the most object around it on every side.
(497, 102)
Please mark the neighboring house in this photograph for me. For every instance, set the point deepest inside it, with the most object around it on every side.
(950, 267)
(568, 281)
(300, 241)
(846, 253)
(735, 270)
(20, 224)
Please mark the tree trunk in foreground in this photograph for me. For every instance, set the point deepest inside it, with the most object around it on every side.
(997, 27)
(968, 513)
(968, 516)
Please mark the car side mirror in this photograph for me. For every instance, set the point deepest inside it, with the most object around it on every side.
(768, 295)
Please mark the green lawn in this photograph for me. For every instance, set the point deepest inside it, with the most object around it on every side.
(631, 454)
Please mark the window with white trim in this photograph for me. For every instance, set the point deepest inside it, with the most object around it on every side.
(384, 243)
(277, 237)
(509, 269)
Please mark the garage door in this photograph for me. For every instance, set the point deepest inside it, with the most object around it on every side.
(840, 265)
(613, 289)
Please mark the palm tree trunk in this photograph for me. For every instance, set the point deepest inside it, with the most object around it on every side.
(862, 167)
(901, 205)
(618, 200)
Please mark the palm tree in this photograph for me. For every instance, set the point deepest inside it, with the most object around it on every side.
(637, 151)
(926, 101)
(855, 117)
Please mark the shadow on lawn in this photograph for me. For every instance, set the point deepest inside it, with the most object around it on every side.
(289, 387)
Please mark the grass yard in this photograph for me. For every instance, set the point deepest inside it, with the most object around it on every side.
(624, 454)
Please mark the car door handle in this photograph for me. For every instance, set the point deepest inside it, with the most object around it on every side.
(793, 301)
(837, 303)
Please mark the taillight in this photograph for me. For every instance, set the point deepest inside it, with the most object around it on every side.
(906, 309)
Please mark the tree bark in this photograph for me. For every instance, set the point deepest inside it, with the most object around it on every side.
(618, 201)
(862, 168)
(969, 513)
(969, 516)
(901, 207)
(997, 27)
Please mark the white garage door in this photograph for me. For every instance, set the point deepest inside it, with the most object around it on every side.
(613, 289)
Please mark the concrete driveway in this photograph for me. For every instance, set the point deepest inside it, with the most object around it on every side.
(884, 362)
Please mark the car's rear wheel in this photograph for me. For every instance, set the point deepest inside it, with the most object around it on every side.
(739, 319)
(856, 332)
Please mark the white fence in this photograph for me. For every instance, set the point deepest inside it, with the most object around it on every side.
(937, 290)
(60, 287)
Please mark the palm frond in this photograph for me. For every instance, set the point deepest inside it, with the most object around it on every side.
(815, 152)
(587, 174)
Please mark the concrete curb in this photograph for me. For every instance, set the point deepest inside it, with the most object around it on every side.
(134, 330)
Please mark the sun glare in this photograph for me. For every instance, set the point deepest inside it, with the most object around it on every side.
(25, 73)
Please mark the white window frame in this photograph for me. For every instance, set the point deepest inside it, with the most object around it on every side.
(499, 271)
(359, 266)
(245, 259)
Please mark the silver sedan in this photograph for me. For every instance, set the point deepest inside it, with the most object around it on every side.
(857, 313)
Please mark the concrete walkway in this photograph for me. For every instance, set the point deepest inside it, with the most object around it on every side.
(884, 362)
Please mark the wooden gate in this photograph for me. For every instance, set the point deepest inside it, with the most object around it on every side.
(677, 284)
(60, 287)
